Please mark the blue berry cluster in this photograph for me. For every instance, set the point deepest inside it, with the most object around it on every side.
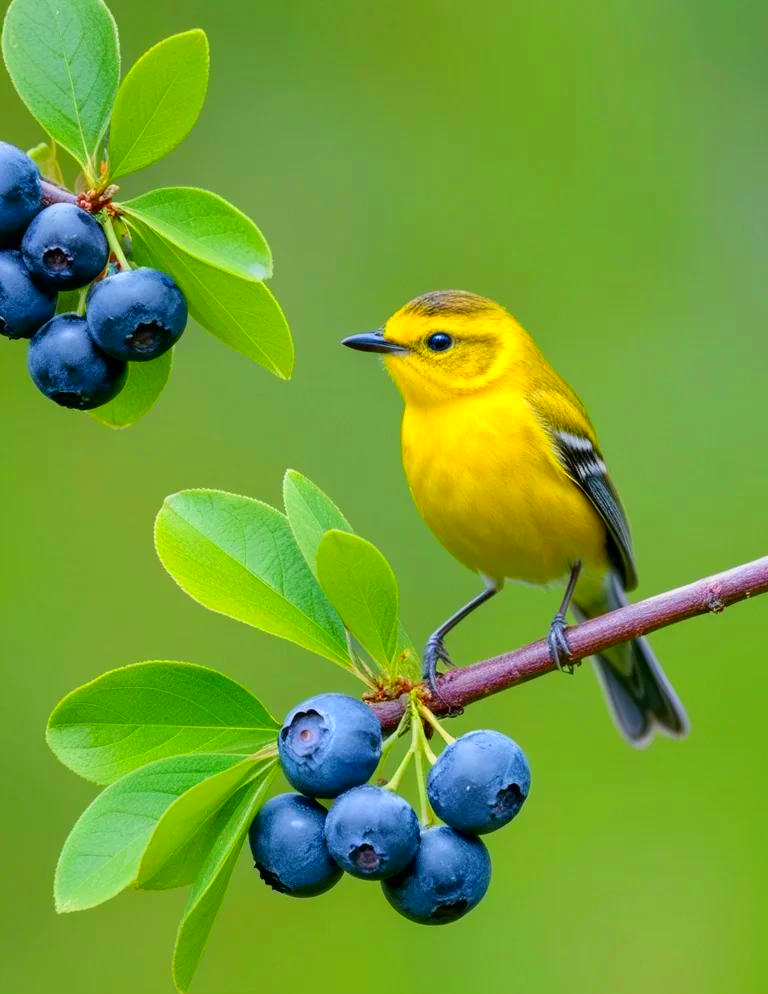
(329, 747)
(131, 315)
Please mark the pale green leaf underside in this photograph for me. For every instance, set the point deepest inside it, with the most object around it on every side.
(240, 312)
(146, 381)
(186, 818)
(64, 61)
(211, 884)
(138, 714)
(102, 852)
(360, 584)
(158, 102)
(206, 227)
(238, 556)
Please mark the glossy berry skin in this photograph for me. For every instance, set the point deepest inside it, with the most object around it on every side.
(479, 782)
(448, 878)
(138, 314)
(67, 367)
(288, 846)
(372, 833)
(24, 306)
(329, 744)
(21, 195)
(64, 247)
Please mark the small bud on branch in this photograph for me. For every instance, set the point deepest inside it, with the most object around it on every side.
(710, 595)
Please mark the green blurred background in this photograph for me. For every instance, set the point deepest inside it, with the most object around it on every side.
(599, 167)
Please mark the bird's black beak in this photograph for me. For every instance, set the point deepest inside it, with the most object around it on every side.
(372, 341)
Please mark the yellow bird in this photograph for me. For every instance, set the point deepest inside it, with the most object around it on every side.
(504, 466)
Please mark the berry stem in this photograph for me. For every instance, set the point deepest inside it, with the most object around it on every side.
(394, 782)
(430, 719)
(114, 243)
(81, 301)
(425, 813)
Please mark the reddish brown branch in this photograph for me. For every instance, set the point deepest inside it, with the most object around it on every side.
(53, 194)
(708, 596)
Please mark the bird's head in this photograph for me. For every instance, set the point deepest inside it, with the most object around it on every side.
(444, 344)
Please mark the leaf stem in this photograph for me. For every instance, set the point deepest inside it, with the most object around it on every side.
(114, 243)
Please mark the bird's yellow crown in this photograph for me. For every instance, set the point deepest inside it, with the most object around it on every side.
(453, 342)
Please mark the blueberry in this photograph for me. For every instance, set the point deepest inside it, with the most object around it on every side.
(136, 314)
(288, 846)
(372, 833)
(64, 247)
(21, 195)
(328, 744)
(67, 367)
(24, 306)
(448, 878)
(479, 782)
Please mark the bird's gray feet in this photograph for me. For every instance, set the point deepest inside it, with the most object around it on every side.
(559, 647)
(434, 654)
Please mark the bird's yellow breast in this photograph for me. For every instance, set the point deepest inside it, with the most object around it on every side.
(487, 482)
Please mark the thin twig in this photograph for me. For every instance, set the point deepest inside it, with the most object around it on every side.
(710, 595)
(53, 194)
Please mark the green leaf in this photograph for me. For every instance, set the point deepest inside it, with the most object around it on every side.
(360, 584)
(239, 557)
(206, 227)
(63, 58)
(240, 312)
(211, 884)
(184, 820)
(141, 713)
(102, 852)
(311, 514)
(146, 381)
(158, 102)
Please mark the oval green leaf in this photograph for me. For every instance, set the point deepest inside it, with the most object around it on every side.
(64, 61)
(102, 852)
(360, 584)
(311, 514)
(210, 886)
(138, 714)
(238, 556)
(158, 102)
(186, 819)
(146, 381)
(240, 312)
(206, 227)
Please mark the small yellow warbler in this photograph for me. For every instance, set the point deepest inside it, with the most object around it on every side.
(504, 467)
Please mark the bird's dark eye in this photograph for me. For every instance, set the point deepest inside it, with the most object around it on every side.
(440, 341)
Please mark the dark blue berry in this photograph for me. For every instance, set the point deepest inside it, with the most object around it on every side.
(328, 744)
(136, 314)
(67, 367)
(21, 195)
(24, 306)
(480, 782)
(288, 846)
(372, 833)
(64, 247)
(448, 878)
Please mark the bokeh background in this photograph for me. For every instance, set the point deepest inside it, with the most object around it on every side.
(600, 167)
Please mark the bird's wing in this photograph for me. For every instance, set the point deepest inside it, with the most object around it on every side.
(575, 447)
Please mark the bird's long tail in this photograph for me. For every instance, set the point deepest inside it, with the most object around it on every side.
(639, 695)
